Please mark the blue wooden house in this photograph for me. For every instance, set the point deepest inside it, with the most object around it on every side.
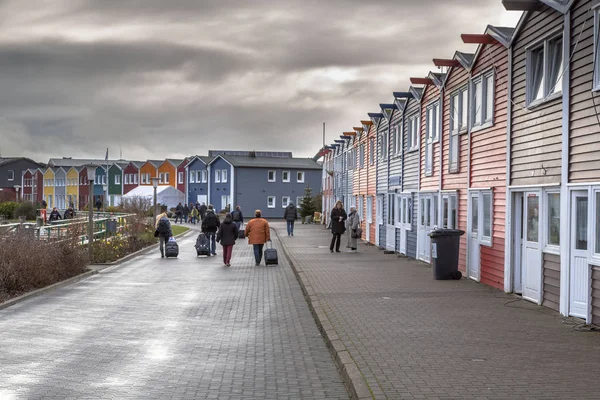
(261, 180)
(197, 179)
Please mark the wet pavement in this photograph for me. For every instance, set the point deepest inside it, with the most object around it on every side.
(186, 328)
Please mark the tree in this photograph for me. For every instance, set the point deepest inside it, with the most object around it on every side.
(307, 205)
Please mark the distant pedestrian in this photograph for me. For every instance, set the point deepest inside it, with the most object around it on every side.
(98, 204)
(54, 215)
(69, 213)
(210, 225)
(179, 212)
(186, 212)
(258, 233)
(194, 214)
(227, 235)
(353, 224)
(202, 210)
(290, 215)
(338, 227)
(237, 216)
(163, 231)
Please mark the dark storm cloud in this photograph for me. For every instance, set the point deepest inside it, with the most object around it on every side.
(81, 75)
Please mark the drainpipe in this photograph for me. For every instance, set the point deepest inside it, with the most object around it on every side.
(508, 229)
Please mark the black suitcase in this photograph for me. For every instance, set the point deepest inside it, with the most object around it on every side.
(171, 249)
(202, 245)
(241, 232)
(271, 255)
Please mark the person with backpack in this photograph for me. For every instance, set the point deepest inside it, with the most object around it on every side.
(237, 216)
(258, 233)
(210, 225)
(290, 215)
(202, 210)
(227, 235)
(69, 213)
(163, 231)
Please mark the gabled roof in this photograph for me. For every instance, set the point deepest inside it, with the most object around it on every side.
(465, 59)
(204, 159)
(416, 92)
(77, 162)
(268, 162)
(155, 163)
(561, 6)
(173, 162)
(10, 160)
(502, 35)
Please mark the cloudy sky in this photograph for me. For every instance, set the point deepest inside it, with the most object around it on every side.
(158, 78)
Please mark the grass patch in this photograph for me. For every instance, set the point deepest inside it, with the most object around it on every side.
(177, 229)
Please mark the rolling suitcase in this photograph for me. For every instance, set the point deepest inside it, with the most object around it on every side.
(271, 255)
(202, 245)
(171, 248)
(241, 232)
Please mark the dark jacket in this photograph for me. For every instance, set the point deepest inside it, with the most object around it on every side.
(54, 216)
(202, 210)
(290, 213)
(186, 210)
(338, 226)
(228, 233)
(170, 232)
(69, 213)
(209, 216)
(237, 216)
(179, 209)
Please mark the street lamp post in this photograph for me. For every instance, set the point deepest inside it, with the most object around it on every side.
(155, 185)
(91, 175)
(17, 187)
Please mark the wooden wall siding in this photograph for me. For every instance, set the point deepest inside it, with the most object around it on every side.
(395, 167)
(372, 182)
(411, 243)
(148, 169)
(432, 181)
(596, 295)
(362, 180)
(536, 133)
(584, 127)
(457, 78)
(410, 174)
(382, 163)
(551, 284)
(488, 161)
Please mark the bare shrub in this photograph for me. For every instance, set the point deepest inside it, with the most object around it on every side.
(141, 206)
(27, 263)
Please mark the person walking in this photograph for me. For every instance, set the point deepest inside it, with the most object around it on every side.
(338, 227)
(186, 213)
(178, 212)
(237, 216)
(202, 210)
(69, 213)
(258, 233)
(353, 225)
(98, 204)
(210, 225)
(163, 231)
(194, 214)
(227, 235)
(290, 215)
(54, 215)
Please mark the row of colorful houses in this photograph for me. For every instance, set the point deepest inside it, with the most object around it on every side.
(501, 142)
(254, 180)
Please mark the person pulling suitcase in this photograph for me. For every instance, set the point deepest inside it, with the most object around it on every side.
(258, 233)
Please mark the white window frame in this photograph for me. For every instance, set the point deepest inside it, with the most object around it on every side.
(299, 201)
(372, 151)
(193, 175)
(117, 179)
(300, 176)
(126, 179)
(135, 179)
(383, 146)
(148, 178)
(223, 176)
(544, 211)
(11, 174)
(413, 132)
(548, 93)
(391, 209)
(204, 174)
(595, 207)
(361, 206)
(271, 201)
(361, 153)
(217, 176)
(486, 118)
(284, 178)
(398, 211)
(379, 199)
(406, 211)
(285, 201)
(484, 240)
(452, 199)
(432, 130)
(596, 79)
(180, 178)
(459, 110)
(274, 178)
(398, 133)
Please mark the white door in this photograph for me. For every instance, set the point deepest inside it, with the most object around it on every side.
(369, 219)
(518, 243)
(426, 221)
(202, 198)
(403, 223)
(579, 286)
(531, 265)
(224, 201)
(379, 222)
(473, 265)
(390, 227)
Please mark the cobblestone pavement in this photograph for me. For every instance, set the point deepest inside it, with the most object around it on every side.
(412, 337)
(186, 328)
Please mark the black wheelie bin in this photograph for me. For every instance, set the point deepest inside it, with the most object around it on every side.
(445, 244)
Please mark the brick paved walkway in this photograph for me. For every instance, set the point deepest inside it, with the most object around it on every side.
(412, 337)
(169, 329)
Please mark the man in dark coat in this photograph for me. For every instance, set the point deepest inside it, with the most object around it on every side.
(237, 216)
(202, 210)
(338, 225)
(210, 225)
(186, 212)
(98, 204)
(290, 215)
(178, 212)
